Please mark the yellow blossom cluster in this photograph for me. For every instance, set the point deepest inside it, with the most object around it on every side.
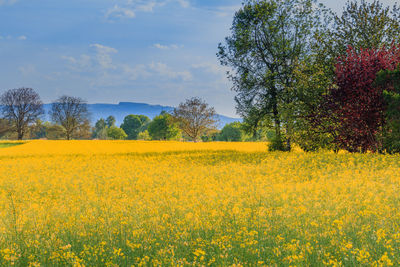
(131, 203)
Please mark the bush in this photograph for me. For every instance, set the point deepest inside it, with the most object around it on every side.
(163, 128)
(116, 133)
(55, 132)
(144, 136)
(277, 145)
(232, 132)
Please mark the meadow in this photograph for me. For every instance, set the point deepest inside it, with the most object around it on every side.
(124, 203)
(9, 144)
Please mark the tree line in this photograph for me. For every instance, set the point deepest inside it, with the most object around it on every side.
(22, 110)
(302, 74)
(317, 78)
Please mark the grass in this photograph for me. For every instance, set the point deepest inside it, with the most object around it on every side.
(6, 144)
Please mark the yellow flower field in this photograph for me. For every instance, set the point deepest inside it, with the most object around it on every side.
(124, 203)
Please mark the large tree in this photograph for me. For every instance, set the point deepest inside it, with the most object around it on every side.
(194, 117)
(116, 133)
(362, 25)
(135, 124)
(100, 129)
(21, 107)
(71, 113)
(268, 40)
(163, 127)
(110, 121)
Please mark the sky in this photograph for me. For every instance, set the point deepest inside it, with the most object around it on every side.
(110, 51)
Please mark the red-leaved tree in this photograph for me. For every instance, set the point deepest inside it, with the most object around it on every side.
(355, 104)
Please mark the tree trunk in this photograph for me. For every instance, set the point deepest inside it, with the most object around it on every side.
(277, 122)
(277, 128)
(288, 137)
(20, 135)
(288, 144)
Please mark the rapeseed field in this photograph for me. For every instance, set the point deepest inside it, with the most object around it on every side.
(123, 203)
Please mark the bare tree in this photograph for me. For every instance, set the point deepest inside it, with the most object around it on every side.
(70, 112)
(195, 117)
(21, 107)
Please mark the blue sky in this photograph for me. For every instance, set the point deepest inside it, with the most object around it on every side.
(109, 51)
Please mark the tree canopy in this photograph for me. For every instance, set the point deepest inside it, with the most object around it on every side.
(162, 127)
(71, 113)
(268, 40)
(135, 124)
(232, 132)
(194, 117)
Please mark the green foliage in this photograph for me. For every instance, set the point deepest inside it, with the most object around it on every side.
(163, 128)
(363, 25)
(313, 79)
(134, 124)
(4, 145)
(390, 81)
(268, 40)
(54, 131)
(144, 136)
(99, 130)
(110, 121)
(210, 135)
(277, 144)
(106, 129)
(263, 132)
(102, 134)
(116, 133)
(5, 127)
(391, 137)
(37, 130)
(232, 132)
(145, 121)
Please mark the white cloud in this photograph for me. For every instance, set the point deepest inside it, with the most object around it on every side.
(184, 3)
(7, 2)
(127, 9)
(120, 13)
(147, 7)
(104, 49)
(227, 11)
(84, 62)
(99, 60)
(103, 55)
(165, 71)
(135, 72)
(210, 67)
(167, 47)
(27, 69)
(101, 65)
(10, 37)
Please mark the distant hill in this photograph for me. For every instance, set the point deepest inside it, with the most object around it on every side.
(119, 111)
